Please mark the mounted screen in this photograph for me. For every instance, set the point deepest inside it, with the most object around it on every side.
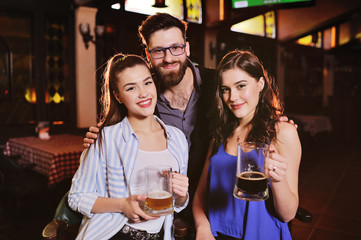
(256, 3)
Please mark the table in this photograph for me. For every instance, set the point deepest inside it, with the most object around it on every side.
(57, 158)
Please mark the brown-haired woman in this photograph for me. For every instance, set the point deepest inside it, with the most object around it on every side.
(246, 108)
(109, 184)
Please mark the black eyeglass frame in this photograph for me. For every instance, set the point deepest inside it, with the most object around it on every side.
(164, 50)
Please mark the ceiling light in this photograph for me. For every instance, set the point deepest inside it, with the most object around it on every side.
(116, 6)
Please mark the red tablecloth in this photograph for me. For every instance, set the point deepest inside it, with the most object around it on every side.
(57, 157)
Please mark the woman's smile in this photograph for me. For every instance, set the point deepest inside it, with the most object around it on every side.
(237, 106)
(145, 103)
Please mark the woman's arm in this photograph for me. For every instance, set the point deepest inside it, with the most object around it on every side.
(128, 206)
(285, 156)
(85, 193)
(199, 207)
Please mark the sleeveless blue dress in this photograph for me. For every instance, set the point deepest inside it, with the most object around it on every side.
(234, 217)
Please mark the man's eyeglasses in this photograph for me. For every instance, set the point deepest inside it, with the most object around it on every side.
(175, 50)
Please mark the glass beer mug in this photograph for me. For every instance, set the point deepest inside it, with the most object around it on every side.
(159, 199)
(252, 177)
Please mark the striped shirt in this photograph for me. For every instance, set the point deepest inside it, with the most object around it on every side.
(105, 171)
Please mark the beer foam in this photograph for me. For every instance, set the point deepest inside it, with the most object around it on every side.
(159, 194)
(252, 176)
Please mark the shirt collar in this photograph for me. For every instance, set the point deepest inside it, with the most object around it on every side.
(128, 131)
(196, 74)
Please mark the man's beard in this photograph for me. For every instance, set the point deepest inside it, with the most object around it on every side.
(170, 79)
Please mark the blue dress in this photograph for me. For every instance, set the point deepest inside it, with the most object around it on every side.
(234, 217)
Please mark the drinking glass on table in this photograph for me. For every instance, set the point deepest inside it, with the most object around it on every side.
(252, 176)
(159, 199)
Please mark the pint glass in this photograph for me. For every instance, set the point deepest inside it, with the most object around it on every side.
(159, 199)
(252, 177)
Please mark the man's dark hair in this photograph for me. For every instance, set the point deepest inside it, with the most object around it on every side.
(160, 21)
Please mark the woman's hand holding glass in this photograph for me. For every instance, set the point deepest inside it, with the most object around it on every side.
(277, 165)
(131, 207)
(180, 188)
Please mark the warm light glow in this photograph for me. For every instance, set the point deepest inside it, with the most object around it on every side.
(174, 7)
(58, 122)
(319, 40)
(194, 11)
(261, 25)
(358, 36)
(270, 24)
(30, 95)
(254, 26)
(327, 38)
(47, 97)
(333, 37)
(344, 33)
(305, 40)
(109, 29)
(116, 6)
(221, 10)
(325, 71)
(56, 98)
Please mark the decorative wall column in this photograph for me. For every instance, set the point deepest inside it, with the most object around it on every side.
(210, 44)
(85, 67)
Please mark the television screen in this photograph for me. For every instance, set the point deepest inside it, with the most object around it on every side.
(254, 3)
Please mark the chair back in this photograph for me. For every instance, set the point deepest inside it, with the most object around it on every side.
(7, 164)
(9, 172)
(65, 213)
(65, 223)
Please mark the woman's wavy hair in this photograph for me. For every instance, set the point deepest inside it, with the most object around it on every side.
(112, 111)
(268, 110)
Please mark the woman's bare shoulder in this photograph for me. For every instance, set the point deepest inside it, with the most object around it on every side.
(286, 132)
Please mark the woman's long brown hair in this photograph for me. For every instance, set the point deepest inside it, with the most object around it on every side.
(268, 110)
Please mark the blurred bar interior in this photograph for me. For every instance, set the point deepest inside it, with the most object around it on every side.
(52, 55)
